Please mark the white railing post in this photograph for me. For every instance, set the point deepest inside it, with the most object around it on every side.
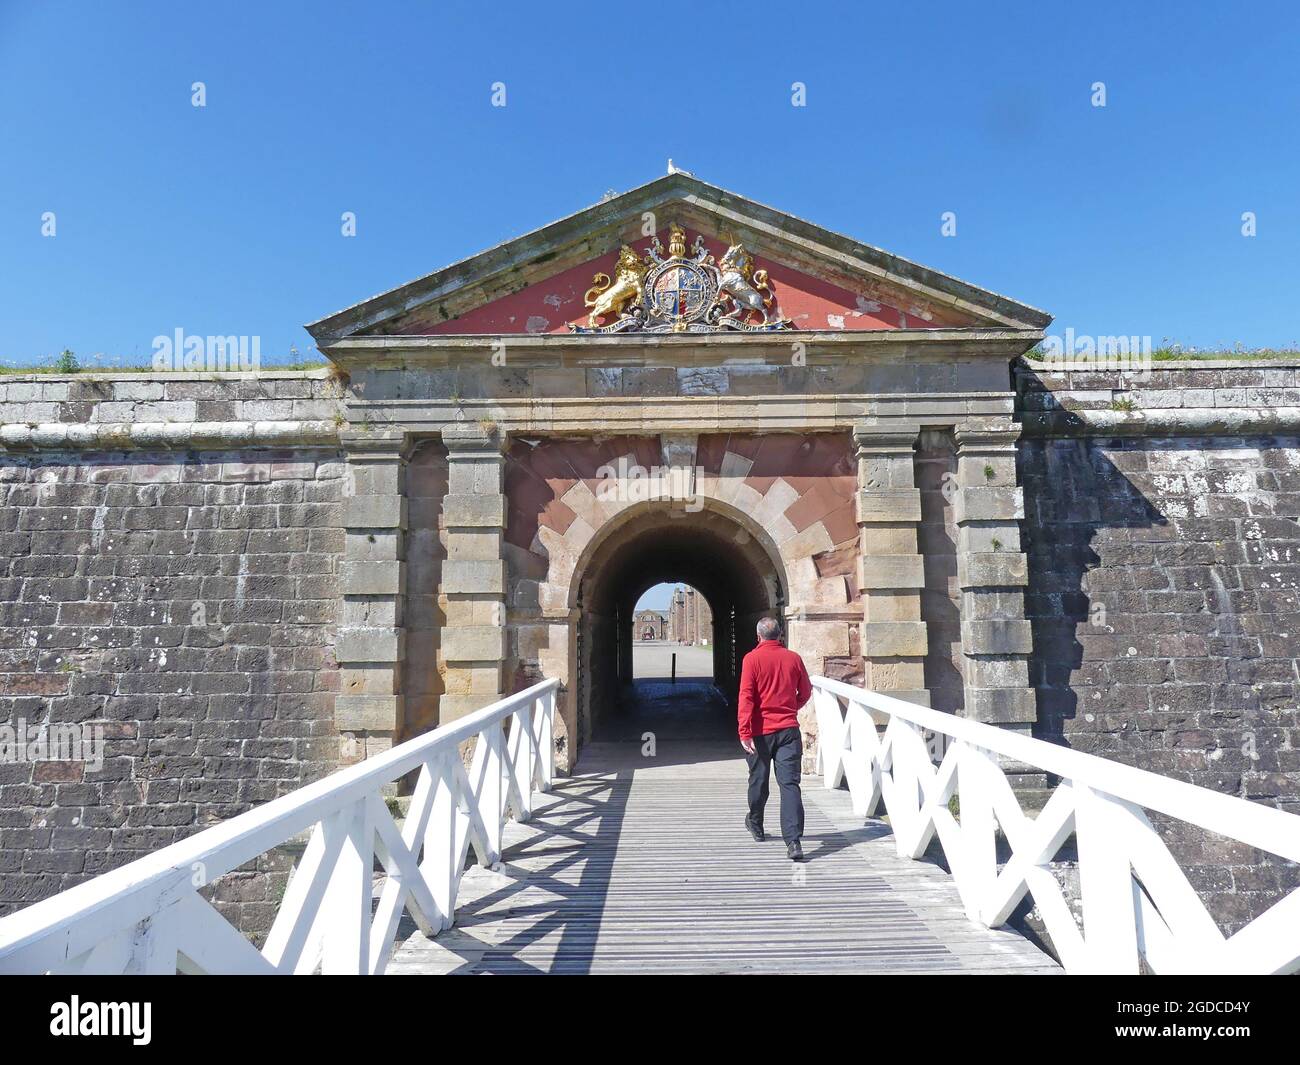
(486, 781)
(519, 758)
(862, 766)
(441, 838)
(545, 741)
(1106, 883)
(979, 843)
(288, 939)
(909, 753)
(345, 910)
(830, 737)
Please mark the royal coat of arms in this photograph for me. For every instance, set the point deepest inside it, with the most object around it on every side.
(682, 292)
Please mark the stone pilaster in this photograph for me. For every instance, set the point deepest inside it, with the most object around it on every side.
(370, 647)
(992, 574)
(474, 575)
(893, 635)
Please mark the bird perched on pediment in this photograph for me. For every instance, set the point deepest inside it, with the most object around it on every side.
(678, 170)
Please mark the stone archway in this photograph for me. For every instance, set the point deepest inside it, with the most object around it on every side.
(714, 548)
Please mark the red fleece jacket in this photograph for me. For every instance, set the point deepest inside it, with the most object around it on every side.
(773, 686)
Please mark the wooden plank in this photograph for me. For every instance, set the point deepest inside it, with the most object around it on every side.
(648, 868)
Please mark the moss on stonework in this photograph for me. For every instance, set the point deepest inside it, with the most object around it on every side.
(1178, 353)
(64, 366)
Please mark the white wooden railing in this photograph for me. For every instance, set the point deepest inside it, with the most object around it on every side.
(148, 916)
(1136, 901)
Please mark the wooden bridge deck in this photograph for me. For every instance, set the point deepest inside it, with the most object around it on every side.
(640, 865)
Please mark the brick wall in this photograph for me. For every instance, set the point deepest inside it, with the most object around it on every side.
(1164, 577)
(185, 602)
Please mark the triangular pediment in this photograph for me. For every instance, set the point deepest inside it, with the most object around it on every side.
(535, 284)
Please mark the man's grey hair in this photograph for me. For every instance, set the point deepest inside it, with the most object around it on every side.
(768, 628)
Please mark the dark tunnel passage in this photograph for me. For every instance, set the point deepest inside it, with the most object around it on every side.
(711, 551)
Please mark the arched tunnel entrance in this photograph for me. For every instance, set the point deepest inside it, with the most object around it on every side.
(715, 550)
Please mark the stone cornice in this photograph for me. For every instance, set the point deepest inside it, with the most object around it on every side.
(818, 346)
(319, 373)
(1029, 367)
(1165, 422)
(682, 414)
(151, 436)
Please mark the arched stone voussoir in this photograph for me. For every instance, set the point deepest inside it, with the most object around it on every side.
(805, 544)
(587, 505)
(769, 512)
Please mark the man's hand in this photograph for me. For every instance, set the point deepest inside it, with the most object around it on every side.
(748, 744)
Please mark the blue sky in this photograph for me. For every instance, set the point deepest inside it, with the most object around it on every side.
(226, 219)
(656, 598)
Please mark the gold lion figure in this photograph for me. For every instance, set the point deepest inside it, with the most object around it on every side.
(606, 297)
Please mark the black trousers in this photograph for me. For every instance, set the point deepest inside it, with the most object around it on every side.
(784, 751)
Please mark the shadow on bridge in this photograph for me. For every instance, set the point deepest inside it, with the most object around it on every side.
(539, 910)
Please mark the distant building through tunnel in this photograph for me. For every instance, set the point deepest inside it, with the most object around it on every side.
(726, 580)
(673, 614)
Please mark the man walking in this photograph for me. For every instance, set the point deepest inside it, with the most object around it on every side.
(773, 686)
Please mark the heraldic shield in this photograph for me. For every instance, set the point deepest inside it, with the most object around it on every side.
(682, 292)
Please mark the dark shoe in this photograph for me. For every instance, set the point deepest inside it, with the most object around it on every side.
(793, 851)
(755, 830)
